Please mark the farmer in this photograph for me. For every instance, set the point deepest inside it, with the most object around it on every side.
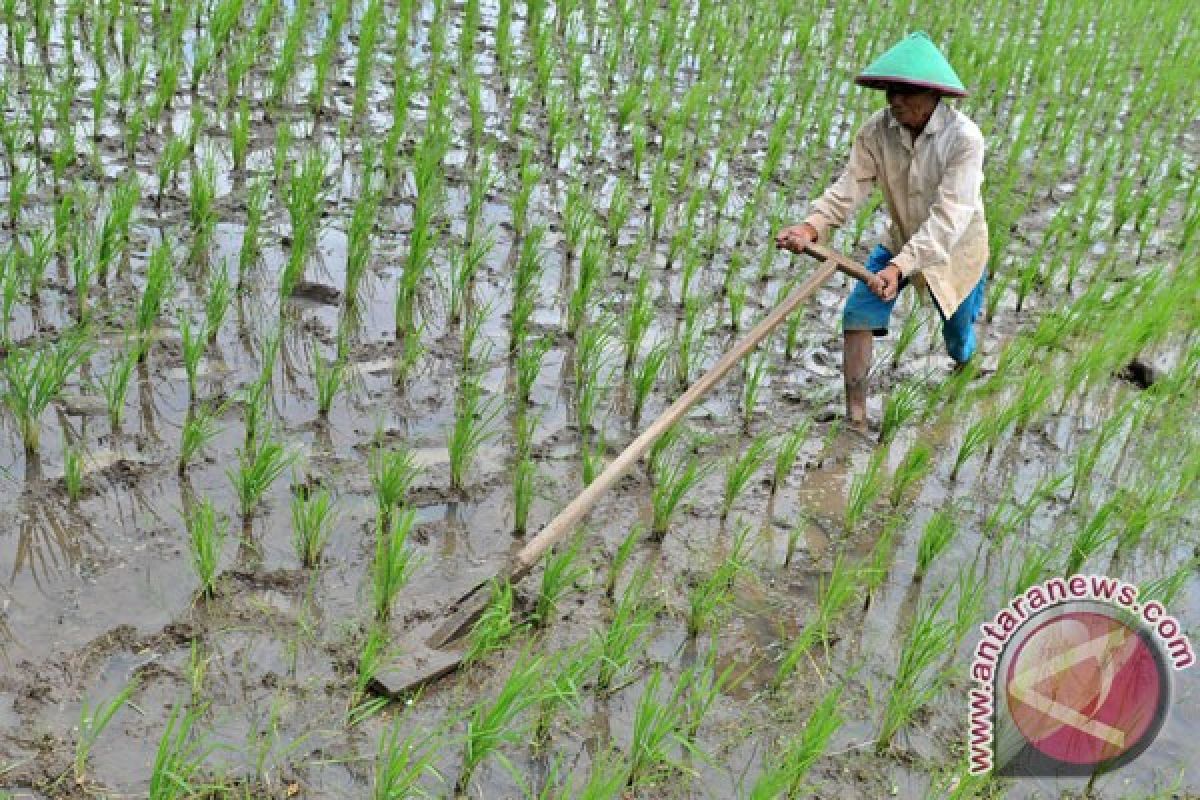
(927, 158)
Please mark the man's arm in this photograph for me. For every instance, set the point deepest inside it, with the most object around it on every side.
(847, 193)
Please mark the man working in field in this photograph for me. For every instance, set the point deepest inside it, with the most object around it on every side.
(927, 158)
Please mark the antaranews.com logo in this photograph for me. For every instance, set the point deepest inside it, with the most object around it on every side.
(1071, 678)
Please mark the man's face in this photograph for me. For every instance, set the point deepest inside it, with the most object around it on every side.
(912, 107)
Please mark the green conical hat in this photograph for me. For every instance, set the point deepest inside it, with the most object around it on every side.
(915, 61)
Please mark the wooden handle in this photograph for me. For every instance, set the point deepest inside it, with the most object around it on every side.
(844, 265)
(570, 516)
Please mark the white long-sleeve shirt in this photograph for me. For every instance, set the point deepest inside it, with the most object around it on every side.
(931, 187)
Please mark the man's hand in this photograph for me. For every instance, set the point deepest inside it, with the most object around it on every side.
(796, 237)
(887, 283)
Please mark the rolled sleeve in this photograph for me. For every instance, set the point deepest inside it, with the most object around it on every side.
(957, 198)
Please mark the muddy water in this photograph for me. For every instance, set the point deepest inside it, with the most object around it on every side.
(100, 591)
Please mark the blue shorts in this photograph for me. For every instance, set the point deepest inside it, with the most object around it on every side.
(864, 311)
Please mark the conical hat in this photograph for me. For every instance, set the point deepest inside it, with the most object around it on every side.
(915, 61)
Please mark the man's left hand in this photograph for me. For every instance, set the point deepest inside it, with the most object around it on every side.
(888, 284)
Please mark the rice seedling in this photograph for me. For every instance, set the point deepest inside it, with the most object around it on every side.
(412, 349)
(92, 722)
(10, 290)
(656, 736)
(525, 425)
(18, 189)
(968, 609)
(911, 470)
(529, 366)
(756, 372)
(661, 448)
(330, 44)
(735, 295)
(1018, 515)
(477, 194)
(462, 282)
(621, 558)
(472, 428)
(620, 204)
(615, 644)
(524, 486)
(901, 406)
(41, 250)
(1164, 590)
(834, 594)
(180, 756)
(72, 470)
(1139, 510)
(402, 761)
(672, 482)
(373, 656)
(251, 248)
(693, 262)
(369, 29)
(33, 377)
(303, 198)
(644, 378)
(689, 348)
(938, 534)
(259, 465)
(562, 572)
(239, 136)
(712, 596)
(328, 378)
(741, 469)
(217, 297)
(590, 369)
(978, 434)
(173, 154)
(495, 626)
(394, 563)
(313, 517)
(494, 724)
(786, 770)
(913, 687)
(787, 452)
(865, 489)
(203, 197)
(84, 269)
(1087, 457)
(115, 386)
(359, 243)
(528, 174)
(475, 357)
(1034, 567)
(591, 271)
(638, 318)
(192, 344)
(206, 536)
(392, 475)
(569, 671)
(1091, 537)
(199, 429)
(285, 66)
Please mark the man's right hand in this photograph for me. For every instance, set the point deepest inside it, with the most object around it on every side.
(796, 237)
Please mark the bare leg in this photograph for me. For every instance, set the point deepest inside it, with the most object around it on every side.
(856, 364)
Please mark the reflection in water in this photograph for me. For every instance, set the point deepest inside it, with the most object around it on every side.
(455, 528)
(146, 401)
(50, 538)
